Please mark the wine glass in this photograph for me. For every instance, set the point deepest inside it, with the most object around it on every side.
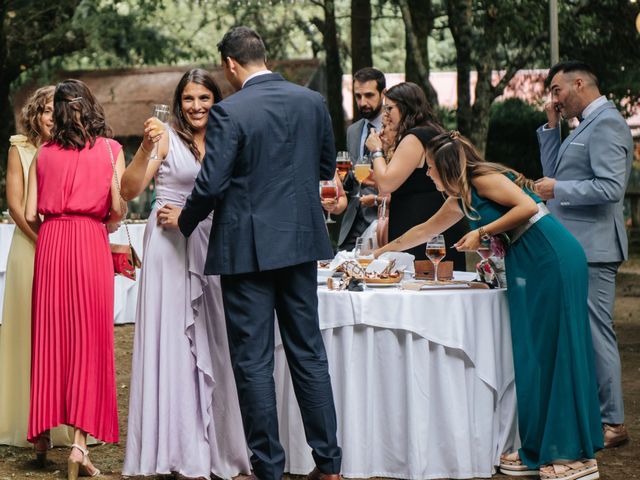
(343, 164)
(328, 191)
(361, 170)
(363, 248)
(436, 251)
(161, 112)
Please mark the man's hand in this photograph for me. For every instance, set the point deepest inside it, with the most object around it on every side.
(553, 114)
(368, 200)
(168, 216)
(544, 188)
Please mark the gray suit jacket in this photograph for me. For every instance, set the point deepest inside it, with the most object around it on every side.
(592, 169)
(354, 134)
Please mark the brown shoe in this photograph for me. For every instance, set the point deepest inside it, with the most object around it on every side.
(614, 435)
(318, 475)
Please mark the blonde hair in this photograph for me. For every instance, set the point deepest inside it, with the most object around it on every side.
(32, 113)
(458, 162)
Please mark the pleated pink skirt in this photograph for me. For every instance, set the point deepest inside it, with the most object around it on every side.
(73, 371)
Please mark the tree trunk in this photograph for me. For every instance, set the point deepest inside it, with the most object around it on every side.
(460, 18)
(418, 25)
(8, 73)
(361, 55)
(334, 74)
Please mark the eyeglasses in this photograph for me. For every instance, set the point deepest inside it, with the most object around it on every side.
(387, 108)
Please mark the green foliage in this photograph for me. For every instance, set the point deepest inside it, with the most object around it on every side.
(447, 117)
(603, 33)
(512, 138)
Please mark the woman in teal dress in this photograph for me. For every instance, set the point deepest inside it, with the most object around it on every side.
(546, 268)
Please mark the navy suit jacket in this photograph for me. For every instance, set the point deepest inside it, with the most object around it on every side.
(267, 147)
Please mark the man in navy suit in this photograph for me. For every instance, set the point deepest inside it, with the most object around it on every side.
(267, 147)
(584, 184)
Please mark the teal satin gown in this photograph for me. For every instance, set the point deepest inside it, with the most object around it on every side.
(547, 285)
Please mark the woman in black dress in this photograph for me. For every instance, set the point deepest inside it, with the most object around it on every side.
(399, 166)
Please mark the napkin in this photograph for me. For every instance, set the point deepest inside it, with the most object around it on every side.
(404, 261)
(341, 257)
(378, 265)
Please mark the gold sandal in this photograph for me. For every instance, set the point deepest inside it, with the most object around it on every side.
(510, 464)
(585, 469)
(74, 467)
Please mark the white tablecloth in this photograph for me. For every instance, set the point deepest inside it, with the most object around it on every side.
(126, 291)
(423, 383)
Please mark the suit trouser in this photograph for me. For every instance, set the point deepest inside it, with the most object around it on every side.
(249, 302)
(602, 286)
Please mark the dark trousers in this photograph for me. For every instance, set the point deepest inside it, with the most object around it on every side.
(250, 300)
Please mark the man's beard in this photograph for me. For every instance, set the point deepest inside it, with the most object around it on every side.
(370, 115)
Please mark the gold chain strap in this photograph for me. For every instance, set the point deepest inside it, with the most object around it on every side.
(115, 174)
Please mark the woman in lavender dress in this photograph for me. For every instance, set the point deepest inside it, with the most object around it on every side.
(184, 416)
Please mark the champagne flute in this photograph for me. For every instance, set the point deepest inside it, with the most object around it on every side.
(343, 164)
(161, 112)
(361, 170)
(436, 251)
(328, 191)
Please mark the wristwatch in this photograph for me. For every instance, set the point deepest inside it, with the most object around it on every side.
(484, 236)
(376, 154)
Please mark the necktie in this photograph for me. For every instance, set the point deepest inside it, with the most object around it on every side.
(365, 150)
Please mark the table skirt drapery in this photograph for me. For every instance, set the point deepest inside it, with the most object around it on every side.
(423, 384)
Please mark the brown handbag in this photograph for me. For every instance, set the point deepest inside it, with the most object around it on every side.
(125, 259)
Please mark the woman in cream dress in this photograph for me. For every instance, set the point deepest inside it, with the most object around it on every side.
(15, 331)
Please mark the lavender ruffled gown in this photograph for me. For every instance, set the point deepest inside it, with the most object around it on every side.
(183, 409)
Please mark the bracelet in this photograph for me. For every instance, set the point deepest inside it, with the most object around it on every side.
(377, 154)
(144, 149)
(484, 236)
(375, 201)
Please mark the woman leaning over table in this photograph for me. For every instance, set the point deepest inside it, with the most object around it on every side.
(399, 165)
(36, 121)
(73, 187)
(558, 410)
(184, 415)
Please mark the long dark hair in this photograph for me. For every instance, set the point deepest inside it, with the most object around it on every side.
(181, 126)
(415, 110)
(32, 113)
(458, 162)
(78, 117)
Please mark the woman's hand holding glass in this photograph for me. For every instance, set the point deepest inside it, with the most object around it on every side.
(153, 131)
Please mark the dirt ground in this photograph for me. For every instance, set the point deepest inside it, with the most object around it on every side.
(620, 463)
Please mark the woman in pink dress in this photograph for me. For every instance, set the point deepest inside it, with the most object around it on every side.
(72, 187)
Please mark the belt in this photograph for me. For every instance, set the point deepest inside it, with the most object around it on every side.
(517, 232)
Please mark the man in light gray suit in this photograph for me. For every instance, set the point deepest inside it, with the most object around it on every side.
(368, 87)
(584, 184)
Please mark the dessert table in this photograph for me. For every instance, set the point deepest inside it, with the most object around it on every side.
(126, 291)
(423, 383)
